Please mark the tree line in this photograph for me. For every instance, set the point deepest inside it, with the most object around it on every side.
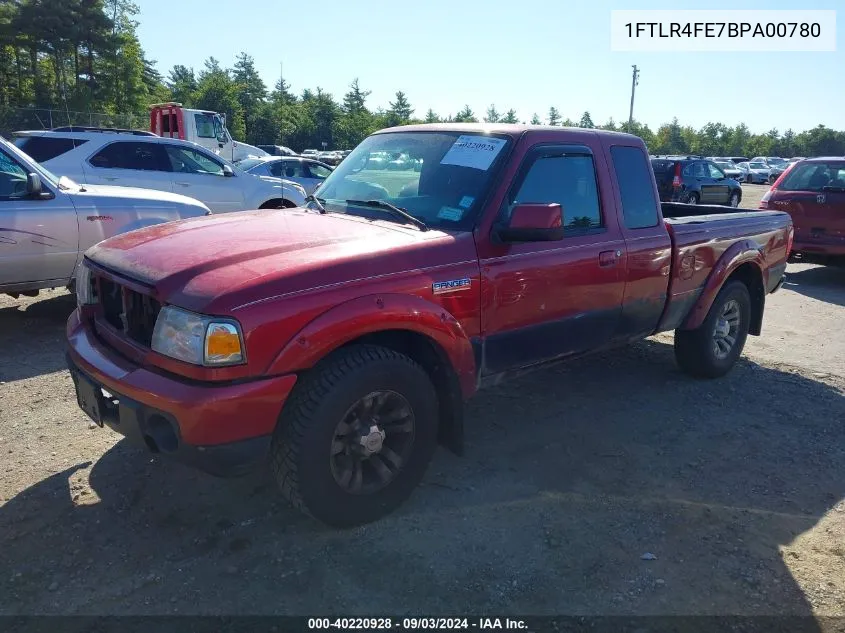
(84, 56)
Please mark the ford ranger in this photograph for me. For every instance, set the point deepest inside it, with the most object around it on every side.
(342, 338)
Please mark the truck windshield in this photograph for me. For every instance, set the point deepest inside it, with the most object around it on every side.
(438, 177)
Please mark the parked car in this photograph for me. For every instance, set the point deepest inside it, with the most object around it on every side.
(134, 159)
(310, 174)
(737, 159)
(769, 161)
(694, 181)
(47, 222)
(277, 150)
(343, 339)
(730, 169)
(310, 153)
(330, 158)
(812, 191)
(755, 173)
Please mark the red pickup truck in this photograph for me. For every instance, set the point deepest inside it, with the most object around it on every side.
(344, 337)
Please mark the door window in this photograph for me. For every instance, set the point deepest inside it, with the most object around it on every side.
(287, 169)
(715, 172)
(565, 179)
(187, 161)
(12, 178)
(315, 170)
(44, 148)
(639, 207)
(205, 125)
(130, 155)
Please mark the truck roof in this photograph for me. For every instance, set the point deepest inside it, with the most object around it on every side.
(511, 129)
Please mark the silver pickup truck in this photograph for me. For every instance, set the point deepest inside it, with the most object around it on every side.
(46, 222)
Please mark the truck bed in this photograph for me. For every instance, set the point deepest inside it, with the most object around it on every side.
(700, 236)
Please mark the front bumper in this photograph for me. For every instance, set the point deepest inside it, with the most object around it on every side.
(222, 429)
(830, 247)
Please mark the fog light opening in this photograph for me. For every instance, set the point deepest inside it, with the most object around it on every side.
(160, 435)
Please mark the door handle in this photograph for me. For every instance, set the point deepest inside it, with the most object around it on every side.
(110, 178)
(609, 258)
(182, 184)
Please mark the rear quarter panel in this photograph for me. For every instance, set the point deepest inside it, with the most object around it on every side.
(707, 249)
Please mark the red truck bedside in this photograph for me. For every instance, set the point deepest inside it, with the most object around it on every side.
(344, 338)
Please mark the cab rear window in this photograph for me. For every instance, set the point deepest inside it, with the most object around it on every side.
(815, 176)
(44, 148)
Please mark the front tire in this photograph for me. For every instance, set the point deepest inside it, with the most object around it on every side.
(357, 436)
(712, 349)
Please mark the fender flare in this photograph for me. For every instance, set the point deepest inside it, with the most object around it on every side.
(378, 313)
(742, 252)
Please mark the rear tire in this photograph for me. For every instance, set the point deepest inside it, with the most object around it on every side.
(734, 200)
(333, 442)
(712, 349)
(692, 198)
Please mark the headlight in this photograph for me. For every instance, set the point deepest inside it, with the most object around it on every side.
(197, 339)
(84, 286)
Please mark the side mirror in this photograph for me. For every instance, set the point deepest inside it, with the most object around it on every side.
(33, 185)
(533, 223)
(228, 171)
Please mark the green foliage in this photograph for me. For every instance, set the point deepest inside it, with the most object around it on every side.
(70, 59)
(466, 116)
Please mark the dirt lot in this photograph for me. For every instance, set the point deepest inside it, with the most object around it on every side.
(572, 475)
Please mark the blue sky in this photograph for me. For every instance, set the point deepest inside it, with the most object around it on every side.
(527, 55)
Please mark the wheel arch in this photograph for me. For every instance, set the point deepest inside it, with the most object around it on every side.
(277, 203)
(421, 330)
(741, 262)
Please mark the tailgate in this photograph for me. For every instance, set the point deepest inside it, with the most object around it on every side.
(664, 173)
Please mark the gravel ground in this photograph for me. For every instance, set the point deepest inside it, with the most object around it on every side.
(611, 485)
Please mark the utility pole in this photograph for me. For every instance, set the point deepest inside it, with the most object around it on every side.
(634, 81)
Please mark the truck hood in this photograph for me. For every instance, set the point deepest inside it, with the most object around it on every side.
(218, 263)
(110, 196)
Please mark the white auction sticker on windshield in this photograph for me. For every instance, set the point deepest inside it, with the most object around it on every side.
(477, 152)
(450, 213)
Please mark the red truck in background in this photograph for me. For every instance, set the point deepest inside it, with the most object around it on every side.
(343, 338)
(812, 192)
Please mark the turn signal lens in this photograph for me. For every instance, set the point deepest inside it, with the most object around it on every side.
(222, 344)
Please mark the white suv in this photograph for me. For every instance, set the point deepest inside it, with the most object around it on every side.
(142, 159)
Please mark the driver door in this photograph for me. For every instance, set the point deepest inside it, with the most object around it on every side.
(200, 176)
(39, 237)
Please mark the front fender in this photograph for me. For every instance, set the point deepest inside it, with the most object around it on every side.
(736, 255)
(378, 313)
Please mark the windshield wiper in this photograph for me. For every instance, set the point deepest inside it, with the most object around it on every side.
(392, 208)
(317, 202)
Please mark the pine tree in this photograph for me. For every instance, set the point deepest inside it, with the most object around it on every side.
(492, 115)
(466, 116)
(510, 117)
(586, 121)
(554, 116)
